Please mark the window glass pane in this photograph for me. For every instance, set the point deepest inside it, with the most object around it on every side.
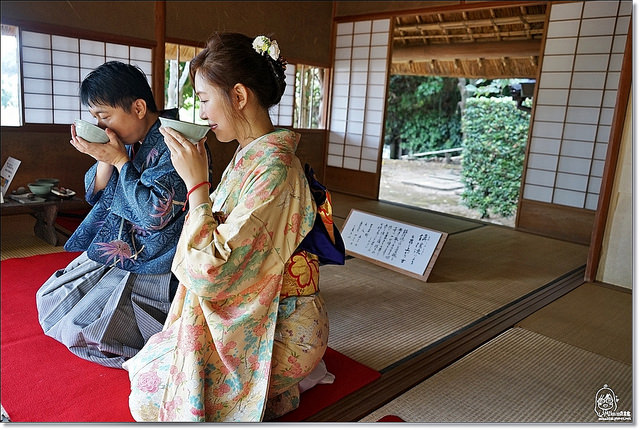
(90, 61)
(178, 91)
(11, 109)
(62, 43)
(38, 115)
(301, 105)
(53, 67)
(92, 47)
(309, 95)
(65, 116)
(36, 55)
(119, 51)
(142, 54)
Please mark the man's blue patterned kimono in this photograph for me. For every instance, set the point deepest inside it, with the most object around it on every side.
(137, 218)
(107, 302)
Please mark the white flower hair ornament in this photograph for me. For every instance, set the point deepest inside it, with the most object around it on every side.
(263, 45)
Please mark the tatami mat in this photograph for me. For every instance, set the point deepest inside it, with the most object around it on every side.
(19, 240)
(377, 322)
(592, 317)
(342, 205)
(489, 267)
(379, 316)
(518, 377)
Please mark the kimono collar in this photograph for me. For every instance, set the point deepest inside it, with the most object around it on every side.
(283, 138)
(243, 150)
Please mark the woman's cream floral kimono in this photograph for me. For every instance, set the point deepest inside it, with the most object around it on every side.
(234, 336)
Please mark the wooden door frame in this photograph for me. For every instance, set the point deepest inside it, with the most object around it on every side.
(611, 161)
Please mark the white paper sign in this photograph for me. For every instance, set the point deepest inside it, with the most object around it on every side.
(398, 245)
(8, 171)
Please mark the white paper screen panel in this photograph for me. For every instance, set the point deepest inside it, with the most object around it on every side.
(282, 113)
(574, 105)
(53, 67)
(358, 94)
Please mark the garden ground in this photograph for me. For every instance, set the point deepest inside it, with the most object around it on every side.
(433, 185)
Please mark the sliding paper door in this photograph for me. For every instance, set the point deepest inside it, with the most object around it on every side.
(572, 121)
(356, 125)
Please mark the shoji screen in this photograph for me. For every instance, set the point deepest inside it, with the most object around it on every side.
(358, 95)
(575, 102)
(53, 67)
(282, 113)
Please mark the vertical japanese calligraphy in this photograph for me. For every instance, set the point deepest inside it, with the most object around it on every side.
(404, 246)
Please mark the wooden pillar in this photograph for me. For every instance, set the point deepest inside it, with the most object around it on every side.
(611, 161)
(158, 53)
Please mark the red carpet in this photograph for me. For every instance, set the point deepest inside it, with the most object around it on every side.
(350, 376)
(391, 419)
(42, 381)
(70, 220)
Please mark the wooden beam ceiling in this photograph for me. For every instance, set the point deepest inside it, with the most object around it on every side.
(474, 23)
(466, 51)
(501, 41)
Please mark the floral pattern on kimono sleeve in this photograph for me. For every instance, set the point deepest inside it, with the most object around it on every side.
(212, 361)
(136, 220)
(221, 260)
(152, 198)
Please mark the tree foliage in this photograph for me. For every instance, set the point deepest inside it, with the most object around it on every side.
(177, 82)
(490, 87)
(422, 113)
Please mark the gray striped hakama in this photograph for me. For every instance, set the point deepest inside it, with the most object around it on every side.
(101, 313)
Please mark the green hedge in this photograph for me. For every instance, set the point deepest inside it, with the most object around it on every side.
(422, 113)
(494, 139)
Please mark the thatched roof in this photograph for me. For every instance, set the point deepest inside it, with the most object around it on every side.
(501, 41)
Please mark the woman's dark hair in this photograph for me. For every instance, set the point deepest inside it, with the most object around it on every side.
(117, 84)
(229, 59)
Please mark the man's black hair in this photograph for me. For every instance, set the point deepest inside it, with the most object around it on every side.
(117, 84)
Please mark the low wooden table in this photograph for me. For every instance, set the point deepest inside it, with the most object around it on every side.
(45, 214)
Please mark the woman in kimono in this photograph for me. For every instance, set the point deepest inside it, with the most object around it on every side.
(107, 302)
(247, 324)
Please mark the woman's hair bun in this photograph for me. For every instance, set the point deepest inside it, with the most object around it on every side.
(231, 58)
